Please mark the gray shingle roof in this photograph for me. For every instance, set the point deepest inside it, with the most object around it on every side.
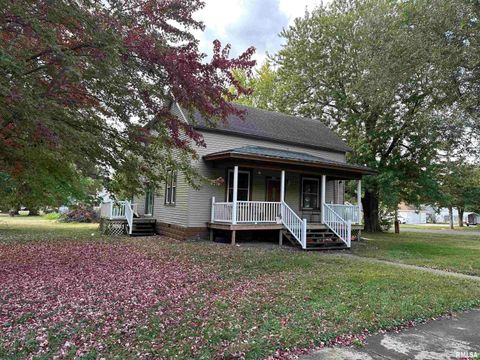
(279, 154)
(277, 127)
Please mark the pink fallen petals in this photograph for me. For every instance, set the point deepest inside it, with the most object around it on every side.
(88, 293)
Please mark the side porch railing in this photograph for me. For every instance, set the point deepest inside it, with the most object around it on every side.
(119, 210)
(347, 212)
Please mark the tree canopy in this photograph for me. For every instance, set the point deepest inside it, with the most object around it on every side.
(396, 80)
(86, 87)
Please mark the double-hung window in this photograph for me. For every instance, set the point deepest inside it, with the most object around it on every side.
(310, 193)
(171, 188)
(243, 192)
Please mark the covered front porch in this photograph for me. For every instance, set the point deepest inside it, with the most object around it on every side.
(300, 195)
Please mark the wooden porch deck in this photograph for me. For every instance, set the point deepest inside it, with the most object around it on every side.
(267, 226)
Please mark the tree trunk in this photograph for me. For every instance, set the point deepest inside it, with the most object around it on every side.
(461, 211)
(370, 205)
(397, 223)
(450, 212)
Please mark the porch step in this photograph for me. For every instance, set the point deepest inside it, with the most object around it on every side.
(143, 227)
(318, 240)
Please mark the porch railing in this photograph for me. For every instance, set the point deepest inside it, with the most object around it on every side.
(119, 210)
(338, 218)
(221, 211)
(129, 215)
(295, 225)
(347, 212)
(255, 212)
(341, 228)
(113, 210)
(258, 212)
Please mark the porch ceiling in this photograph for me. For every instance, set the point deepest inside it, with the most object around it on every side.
(286, 159)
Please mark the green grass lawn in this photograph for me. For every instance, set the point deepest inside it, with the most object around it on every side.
(159, 298)
(439, 227)
(36, 228)
(440, 251)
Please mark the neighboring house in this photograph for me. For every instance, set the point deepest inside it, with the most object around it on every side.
(412, 214)
(280, 173)
(442, 215)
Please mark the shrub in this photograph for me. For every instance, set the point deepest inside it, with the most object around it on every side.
(81, 216)
(52, 216)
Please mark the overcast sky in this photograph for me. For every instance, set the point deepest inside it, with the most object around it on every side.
(245, 23)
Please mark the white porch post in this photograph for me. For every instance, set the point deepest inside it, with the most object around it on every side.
(282, 187)
(359, 200)
(212, 213)
(235, 191)
(322, 198)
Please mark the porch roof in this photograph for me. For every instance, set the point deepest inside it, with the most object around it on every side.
(295, 158)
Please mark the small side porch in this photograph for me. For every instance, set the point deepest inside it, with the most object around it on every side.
(121, 218)
(296, 201)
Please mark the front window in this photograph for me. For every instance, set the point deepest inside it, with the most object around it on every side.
(171, 188)
(243, 192)
(310, 191)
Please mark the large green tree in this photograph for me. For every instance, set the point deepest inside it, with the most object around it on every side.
(88, 84)
(264, 89)
(390, 77)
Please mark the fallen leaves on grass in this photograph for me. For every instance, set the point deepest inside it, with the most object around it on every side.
(68, 299)
(91, 294)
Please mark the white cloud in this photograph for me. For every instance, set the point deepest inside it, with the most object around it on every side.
(219, 14)
(245, 23)
(296, 8)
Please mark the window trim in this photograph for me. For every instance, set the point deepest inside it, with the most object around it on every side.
(230, 171)
(317, 180)
(171, 185)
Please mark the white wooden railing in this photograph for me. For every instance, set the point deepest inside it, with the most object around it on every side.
(221, 211)
(294, 224)
(341, 228)
(128, 215)
(258, 212)
(347, 212)
(119, 210)
(113, 210)
(254, 212)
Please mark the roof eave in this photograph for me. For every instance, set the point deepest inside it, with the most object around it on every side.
(223, 155)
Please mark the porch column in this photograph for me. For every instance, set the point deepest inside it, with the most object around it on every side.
(234, 200)
(282, 187)
(322, 197)
(359, 200)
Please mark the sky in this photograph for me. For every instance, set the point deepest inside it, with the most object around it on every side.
(245, 23)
